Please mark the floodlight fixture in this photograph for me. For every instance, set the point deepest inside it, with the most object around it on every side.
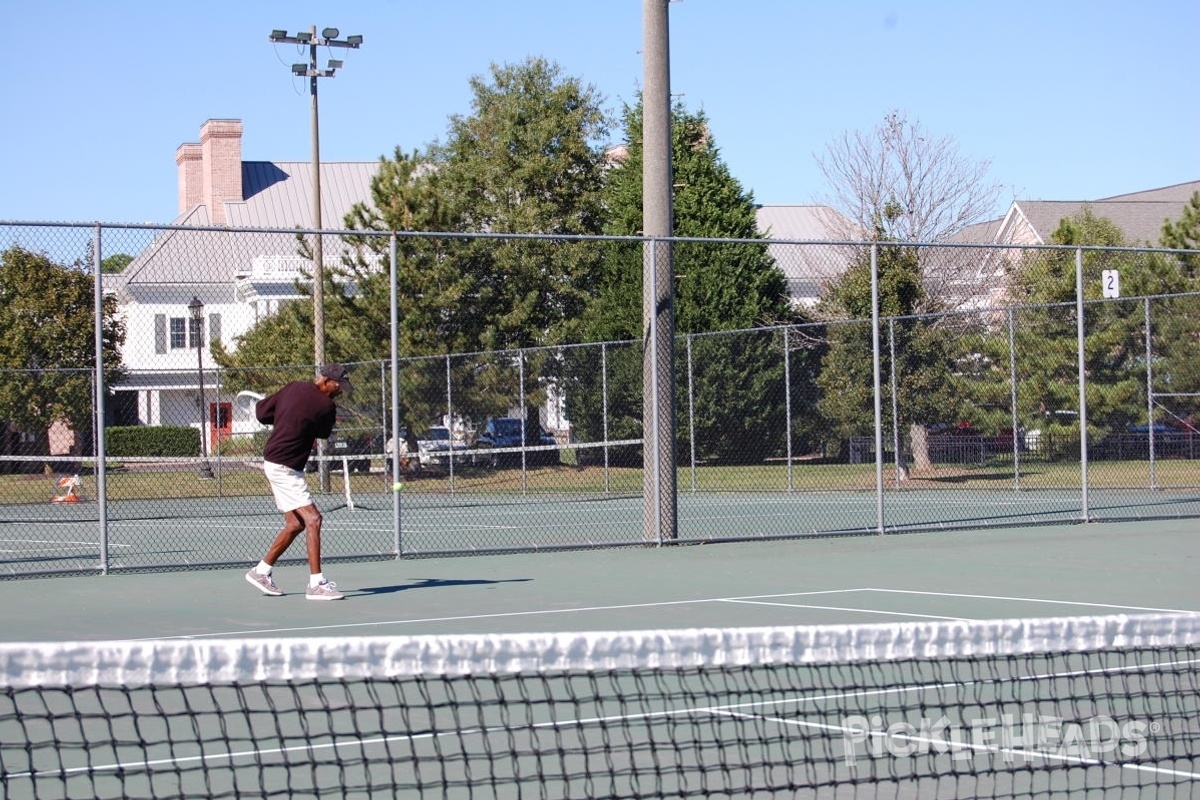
(278, 34)
(300, 69)
(304, 37)
(354, 41)
(330, 33)
(335, 63)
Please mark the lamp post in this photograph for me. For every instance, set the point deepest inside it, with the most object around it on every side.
(197, 309)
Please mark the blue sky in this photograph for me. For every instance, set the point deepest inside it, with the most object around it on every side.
(1066, 99)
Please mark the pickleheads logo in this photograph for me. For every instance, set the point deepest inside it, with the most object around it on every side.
(1015, 737)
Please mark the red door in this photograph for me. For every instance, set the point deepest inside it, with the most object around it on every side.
(220, 422)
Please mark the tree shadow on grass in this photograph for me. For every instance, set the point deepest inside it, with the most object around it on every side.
(968, 477)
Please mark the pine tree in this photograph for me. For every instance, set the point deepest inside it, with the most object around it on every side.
(738, 390)
(1114, 344)
(926, 391)
(527, 160)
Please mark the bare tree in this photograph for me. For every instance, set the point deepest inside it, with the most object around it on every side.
(902, 184)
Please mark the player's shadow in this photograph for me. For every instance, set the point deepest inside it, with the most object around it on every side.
(434, 583)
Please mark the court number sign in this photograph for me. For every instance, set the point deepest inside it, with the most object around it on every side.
(1111, 281)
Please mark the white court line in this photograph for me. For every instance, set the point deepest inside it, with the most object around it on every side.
(627, 606)
(1036, 600)
(48, 541)
(846, 608)
(27, 547)
(1047, 755)
(499, 615)
(865, 501)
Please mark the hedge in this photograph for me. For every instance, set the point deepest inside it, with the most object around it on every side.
(152, 441)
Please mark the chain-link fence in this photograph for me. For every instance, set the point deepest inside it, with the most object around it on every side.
(993, 413)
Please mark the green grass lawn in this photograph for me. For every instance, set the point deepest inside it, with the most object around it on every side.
(235, 478)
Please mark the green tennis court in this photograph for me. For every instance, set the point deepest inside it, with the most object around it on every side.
(174, 533)
(361, 708)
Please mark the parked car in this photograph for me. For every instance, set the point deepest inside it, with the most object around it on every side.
(505, 432)
(435, 447)
(359, 444)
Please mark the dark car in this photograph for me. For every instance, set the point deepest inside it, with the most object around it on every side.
(356, 446)
(506, 432)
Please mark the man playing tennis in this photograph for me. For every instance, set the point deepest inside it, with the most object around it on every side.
(300, 412)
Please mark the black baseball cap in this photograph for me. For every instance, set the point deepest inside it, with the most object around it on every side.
(339, 373)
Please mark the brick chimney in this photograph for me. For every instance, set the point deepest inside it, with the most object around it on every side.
(210, 173)
(191, 176)
(221, 148)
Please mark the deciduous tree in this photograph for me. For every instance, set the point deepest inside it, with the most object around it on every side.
(908, 185)
(47, 343)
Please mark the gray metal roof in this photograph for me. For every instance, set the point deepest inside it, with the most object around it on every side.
(807, 269)
(278, 194)
(808, 223)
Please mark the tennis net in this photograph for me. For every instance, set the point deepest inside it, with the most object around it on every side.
(1020, 708)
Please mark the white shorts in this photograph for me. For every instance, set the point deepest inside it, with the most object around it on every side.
(288, 486)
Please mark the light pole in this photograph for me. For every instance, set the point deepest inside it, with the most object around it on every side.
(328, 38)
(197, 309)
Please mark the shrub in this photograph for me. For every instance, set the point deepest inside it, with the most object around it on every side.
(152, 441)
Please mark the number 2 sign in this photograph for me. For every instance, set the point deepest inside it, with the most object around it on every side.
(1110, 279)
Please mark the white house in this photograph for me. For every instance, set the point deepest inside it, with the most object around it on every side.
(238, 277)
(1139, 216)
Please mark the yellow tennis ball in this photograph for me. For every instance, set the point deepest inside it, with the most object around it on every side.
(397, 486)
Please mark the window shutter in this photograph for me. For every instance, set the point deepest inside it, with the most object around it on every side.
(160, 333)
(214, 327)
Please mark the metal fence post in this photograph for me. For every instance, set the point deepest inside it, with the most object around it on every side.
(787, 402)
(101, 426)
(394, 346)
(1150, 392)
(604, 411)
(524, 420)
(875, 366)
(1012, 391)
(691, 387)
(895, 403)
(1083, 435)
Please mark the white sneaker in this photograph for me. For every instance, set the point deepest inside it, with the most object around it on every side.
(325, 590)
(263, 583)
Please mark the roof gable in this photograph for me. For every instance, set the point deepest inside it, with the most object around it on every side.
(1140, 221)
(1139, 215)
